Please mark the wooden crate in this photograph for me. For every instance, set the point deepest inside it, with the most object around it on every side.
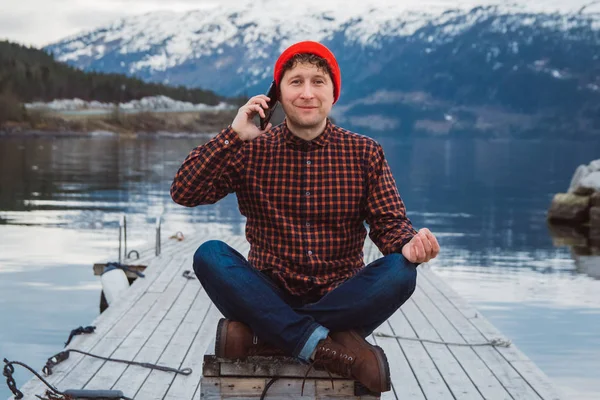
(247, 379)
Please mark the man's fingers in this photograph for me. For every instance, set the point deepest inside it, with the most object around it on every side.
(255, 108)
(263, 103)
(429, 243)
(427, 246)
(261, 110)
(261, 98)
(434, 243)
(253, 99)
(418, 246)
(413, 252)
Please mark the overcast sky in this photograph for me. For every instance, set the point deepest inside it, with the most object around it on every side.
(41, 22)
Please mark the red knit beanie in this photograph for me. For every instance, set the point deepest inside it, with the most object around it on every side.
(316, 49)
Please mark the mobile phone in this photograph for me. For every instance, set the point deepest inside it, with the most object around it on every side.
(272, 104)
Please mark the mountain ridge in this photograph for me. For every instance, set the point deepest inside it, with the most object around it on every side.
(513, 58)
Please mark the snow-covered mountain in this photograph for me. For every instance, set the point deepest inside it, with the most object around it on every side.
(433, 65)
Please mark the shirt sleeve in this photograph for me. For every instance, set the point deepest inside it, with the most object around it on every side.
(389, 227)
(210, 171)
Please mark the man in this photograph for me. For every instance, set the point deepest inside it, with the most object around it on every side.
(306, 188)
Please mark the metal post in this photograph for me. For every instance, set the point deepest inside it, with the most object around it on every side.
(120, 237)
(157, 248)
(125, 235)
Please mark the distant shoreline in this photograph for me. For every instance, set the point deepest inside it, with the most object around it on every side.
(101, 134)
(121, 124)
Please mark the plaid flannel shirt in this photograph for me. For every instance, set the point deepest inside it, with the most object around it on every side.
(305, 202)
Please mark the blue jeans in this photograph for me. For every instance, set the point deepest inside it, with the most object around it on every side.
(243, 293)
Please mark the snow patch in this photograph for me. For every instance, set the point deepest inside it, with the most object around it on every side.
(154, 103)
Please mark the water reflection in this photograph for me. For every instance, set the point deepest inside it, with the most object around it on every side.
(61, 201)
(584, 249)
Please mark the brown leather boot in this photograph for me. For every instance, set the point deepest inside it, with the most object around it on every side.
(235, 340)
(349, 355)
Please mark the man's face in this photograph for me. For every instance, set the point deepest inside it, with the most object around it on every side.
(306, 95)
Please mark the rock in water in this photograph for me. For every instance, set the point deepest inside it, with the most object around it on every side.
(581, 172)
(569, 207)
(594, 166)
(568, 235)
(589, 184)
(595, 218)
(595, 199)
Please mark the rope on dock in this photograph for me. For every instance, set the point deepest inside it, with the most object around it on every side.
(63, 355)
(125, 268)
(79, 331)
(494, 342)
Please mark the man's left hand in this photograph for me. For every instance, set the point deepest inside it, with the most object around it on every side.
(421, 248)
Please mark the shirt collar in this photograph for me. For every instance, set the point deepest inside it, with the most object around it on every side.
(320, 141)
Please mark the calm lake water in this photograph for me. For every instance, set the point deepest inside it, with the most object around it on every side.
(61, 200)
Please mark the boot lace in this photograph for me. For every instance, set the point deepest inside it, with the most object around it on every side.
(334, 359)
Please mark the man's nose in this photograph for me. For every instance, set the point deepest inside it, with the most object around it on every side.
(307, 91)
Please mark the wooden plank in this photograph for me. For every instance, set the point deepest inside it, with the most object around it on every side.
(182, 387)
(258, 367)
(391, 395)
(157, 383)
(522, 364)
(209, 389)
(323, 387)
(240, 244)
(370, 251)
(167, 245)
(160, 284)
(267, 370)
(403, 378)
(247, 387)
(211, 365)
(147, 336)
(196, 395)
(430, 380)
(453, 374)
(518, 388)
(485, 381)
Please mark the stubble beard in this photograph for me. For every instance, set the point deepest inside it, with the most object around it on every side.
(305, 123)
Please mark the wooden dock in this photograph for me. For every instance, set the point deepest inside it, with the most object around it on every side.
(169, 320)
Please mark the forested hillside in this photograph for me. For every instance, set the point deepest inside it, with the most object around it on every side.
(29, 74)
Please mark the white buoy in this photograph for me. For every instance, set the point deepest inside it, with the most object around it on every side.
(114, 283)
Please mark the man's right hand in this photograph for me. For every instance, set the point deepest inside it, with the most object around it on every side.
(243, 123)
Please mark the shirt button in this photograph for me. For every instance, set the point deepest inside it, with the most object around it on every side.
(226, 142)
(308, 193)
(310, 253)
(308, 224)
(308, 162)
